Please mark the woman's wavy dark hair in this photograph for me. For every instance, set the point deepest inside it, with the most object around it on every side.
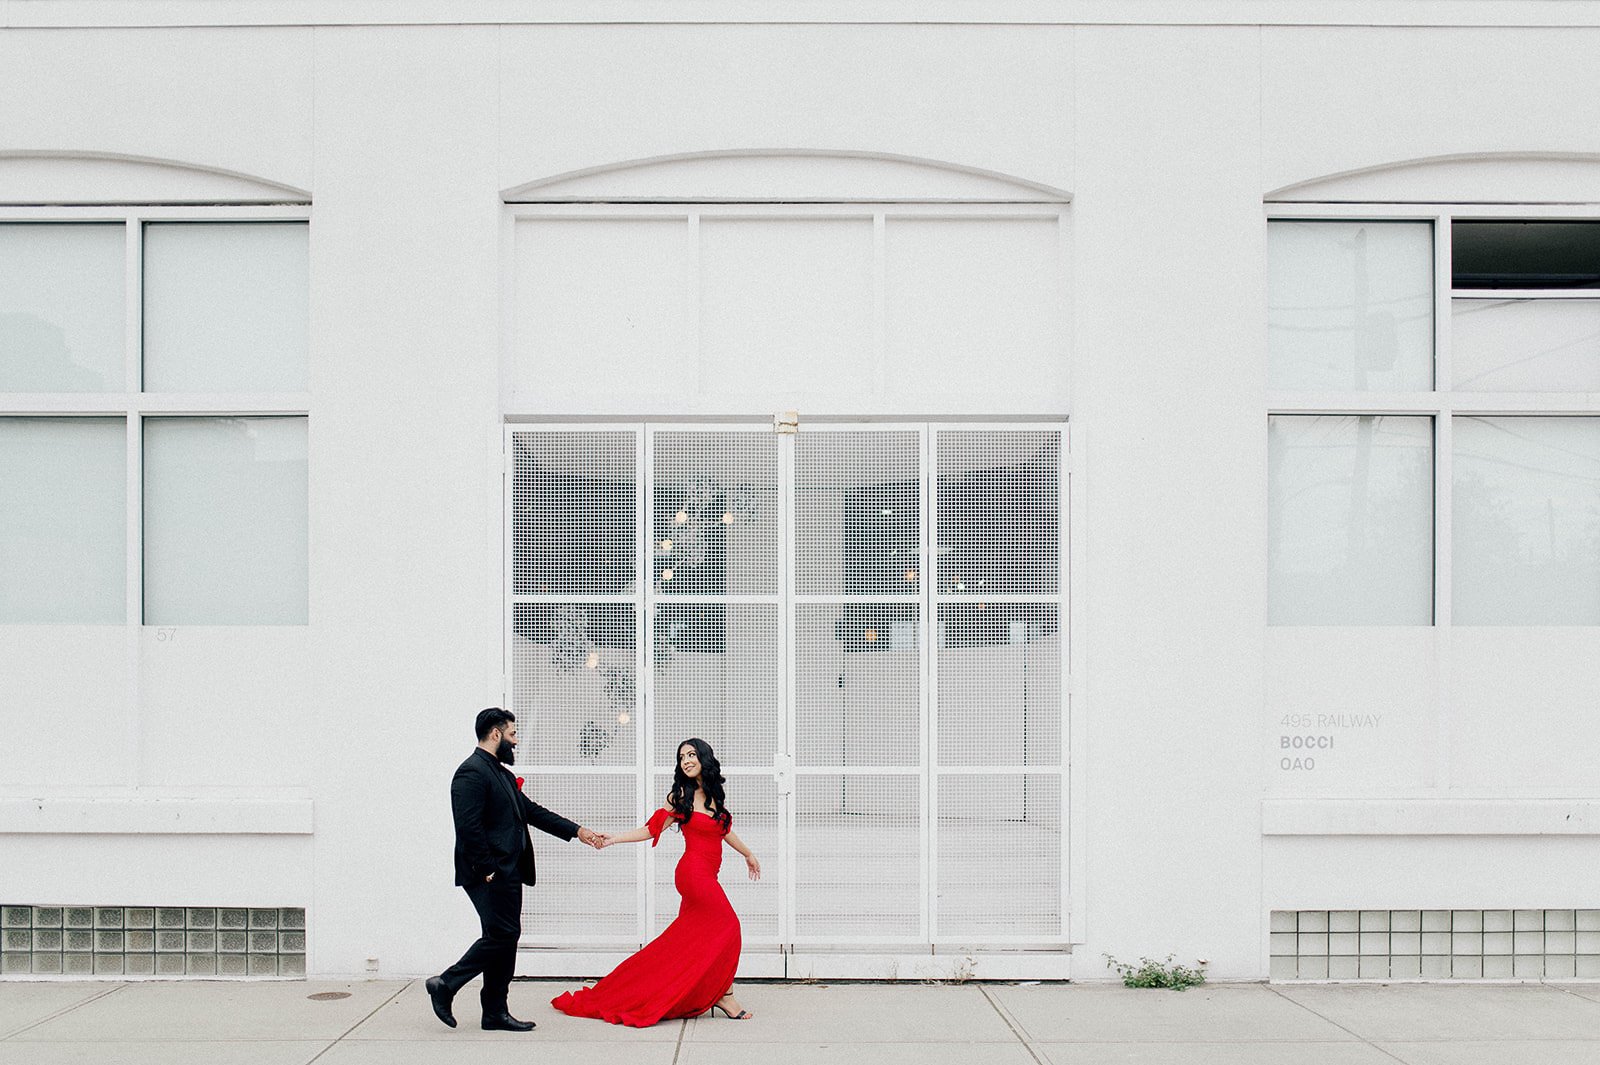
(681, 798)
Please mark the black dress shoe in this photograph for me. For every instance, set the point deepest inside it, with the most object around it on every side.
(440, 999)
(504, 1022)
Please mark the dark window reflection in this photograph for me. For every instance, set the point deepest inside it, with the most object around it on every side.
(1511, 254)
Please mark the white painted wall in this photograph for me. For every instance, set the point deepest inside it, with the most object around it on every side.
(1169, 410)
(1167, 137)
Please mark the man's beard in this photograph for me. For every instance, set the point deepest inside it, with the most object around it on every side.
(506, 753)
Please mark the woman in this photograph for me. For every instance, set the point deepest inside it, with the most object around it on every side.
(688, 969)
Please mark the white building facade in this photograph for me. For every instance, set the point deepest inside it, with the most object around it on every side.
(1106, 478)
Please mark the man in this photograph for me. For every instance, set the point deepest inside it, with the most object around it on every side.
(494, 858)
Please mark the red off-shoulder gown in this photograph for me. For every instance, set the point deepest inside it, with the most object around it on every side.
(690, 965)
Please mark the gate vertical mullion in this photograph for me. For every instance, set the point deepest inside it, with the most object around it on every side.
(1064, 882)
(644, 668)
(508, 563)
(133, 514)
(787, 843)
(930, 685)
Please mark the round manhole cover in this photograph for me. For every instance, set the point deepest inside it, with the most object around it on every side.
(328, 996)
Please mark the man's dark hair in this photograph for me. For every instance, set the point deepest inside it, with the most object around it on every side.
(491, 719)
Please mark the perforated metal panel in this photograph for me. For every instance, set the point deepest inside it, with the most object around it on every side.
(999, 684)
(716, 645)
(999, 857)
(583, 896)
(715, 587)
(714, 520)
(858, 615)
(716, 672)
(867, 624)
(858, 694)
(858, 513)
(999, 655)
(858, 670)
(575, 695)
(574, 515)
(998, 530)
(573, 661)
(858, 868)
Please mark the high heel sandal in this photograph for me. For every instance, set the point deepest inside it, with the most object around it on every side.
(742, 1015)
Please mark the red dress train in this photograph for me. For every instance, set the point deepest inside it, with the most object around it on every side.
(690, 965)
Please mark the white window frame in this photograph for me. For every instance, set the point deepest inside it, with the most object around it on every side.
(133, 404)
(1443, 403)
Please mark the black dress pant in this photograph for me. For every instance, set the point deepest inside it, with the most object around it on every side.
(499, 906)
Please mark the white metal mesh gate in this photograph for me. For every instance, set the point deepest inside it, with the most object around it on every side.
(866, 623)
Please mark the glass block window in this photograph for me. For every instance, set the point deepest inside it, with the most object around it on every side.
(159, 942)
(1482, 944)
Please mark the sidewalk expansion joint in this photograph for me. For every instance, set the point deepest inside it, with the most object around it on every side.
(113, 989)
(683, 1027)
(1565, 990)
(1016, 1027)
(1336, 1024)
(370, 1014)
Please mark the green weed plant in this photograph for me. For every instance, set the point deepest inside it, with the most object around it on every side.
(1151, 973)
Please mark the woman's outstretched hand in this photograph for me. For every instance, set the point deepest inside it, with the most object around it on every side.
(754, 865)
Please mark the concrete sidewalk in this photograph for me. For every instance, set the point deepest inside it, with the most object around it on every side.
(389, 1023)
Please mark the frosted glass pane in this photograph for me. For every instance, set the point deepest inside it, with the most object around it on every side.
(1526, 345)
(226, 307)
(1350, 306)
(62, 308)
(63, 520)
(1350, 514)
(1526, 521)
(225, 521)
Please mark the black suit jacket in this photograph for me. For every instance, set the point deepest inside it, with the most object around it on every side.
(492, 818)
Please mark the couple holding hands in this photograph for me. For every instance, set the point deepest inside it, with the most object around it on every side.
(685, 971)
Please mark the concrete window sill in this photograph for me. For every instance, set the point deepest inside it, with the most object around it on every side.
(156, 815)
(1430, 817)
